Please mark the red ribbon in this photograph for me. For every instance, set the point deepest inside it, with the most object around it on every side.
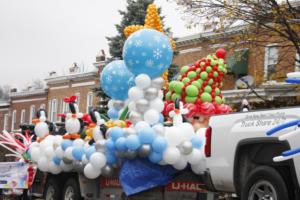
(70, 99)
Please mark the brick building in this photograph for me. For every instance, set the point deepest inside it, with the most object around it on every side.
(267, 62)
(74, 83)
(23, 106)
(4, 115)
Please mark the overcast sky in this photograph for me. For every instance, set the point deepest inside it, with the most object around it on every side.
(38, 36)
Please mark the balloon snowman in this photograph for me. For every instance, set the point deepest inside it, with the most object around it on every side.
(41, 128)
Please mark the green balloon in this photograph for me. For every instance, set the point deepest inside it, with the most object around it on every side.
(221, 61)
(213, 63)
(223, 100)
(198, 71)
(191, 91)
(202, 64)
(168, 96)
(183, 69)
(220, 68)
(225, 70)
(200, 81)
(211, 81)
(185, 80)
(218, 100)
(207, 89)
(216, 74)
(206, 97)
(191, 74)
(197, 84)
(208, 69)
(217, 91)
(172, 85)
(178, 87)
(190, 99)
(203, 75)
(225, 66)
(209, 57)
(221, 84)
(175, 96)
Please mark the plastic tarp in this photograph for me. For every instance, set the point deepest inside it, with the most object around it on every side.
(138, 175)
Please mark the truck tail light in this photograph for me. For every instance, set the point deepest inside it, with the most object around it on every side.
(207, 147)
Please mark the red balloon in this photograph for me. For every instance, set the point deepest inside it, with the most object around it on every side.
(221, 53)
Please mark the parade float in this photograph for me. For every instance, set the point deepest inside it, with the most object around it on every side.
(154, 128)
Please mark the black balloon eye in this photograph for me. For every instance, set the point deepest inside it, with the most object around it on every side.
(196, 117)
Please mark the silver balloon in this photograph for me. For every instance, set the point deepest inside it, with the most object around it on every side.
(158, 83)
(142, 105)
(145, 150)
(186, 147)
(130, 154)
(78, 166)
(107, 171)
(67, 161)
(100, 145)
(151, 93)
(118, 104)
(135, 117)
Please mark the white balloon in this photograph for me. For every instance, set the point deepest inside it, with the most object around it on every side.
(68, 153)
(195, 157)
(41, 129)
(131, 106)
(49, 152)
(143, 81)
(110, 103)
(159, 129)
(135, 94)
(78, 142)
(98, 160)
(72, 125)
(188, 130)
(35, 153)
(180, 164)
(66, 167)
(45, 143)
(160, 94)
(157, 104)
(174, 135)
(59, 152)
(58, 139)
(171, 155)
(43, 164)
(97, 134)
(53, 168)
(151, 116)
(141, 125)
(90, 172)
(199, 168)
(84, 159)
(34, 144)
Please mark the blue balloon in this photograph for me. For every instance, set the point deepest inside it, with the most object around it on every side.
(148, 52)
(146, 135)
(110, 158)
(121, 144)
(133, 142)
(109, 145)
(115, 133)
(65, 144)
(155, 157)
(161, 118)
(89, 152)
(159, 144)
(56, 160)
(113, 113)
(116, 80)
(197, 141)
(77, 153)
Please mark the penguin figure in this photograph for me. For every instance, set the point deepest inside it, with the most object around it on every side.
(98, 127)
(73, 124)
(178, 112)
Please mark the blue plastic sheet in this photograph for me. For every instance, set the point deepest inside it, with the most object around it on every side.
(138, 175)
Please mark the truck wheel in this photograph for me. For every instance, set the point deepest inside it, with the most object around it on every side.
(52, 190)
(71, 190)
(264, 182)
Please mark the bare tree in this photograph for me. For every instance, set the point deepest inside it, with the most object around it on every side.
(38, 84)
(4, 92)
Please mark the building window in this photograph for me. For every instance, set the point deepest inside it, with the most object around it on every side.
(89, 101)
(22, 120)
(32, 113)
(271, 59)
(53, 110)
(43, 106)
(297, 62)
(5, 125)
(78, 98)
(13, 120)
(65, 107)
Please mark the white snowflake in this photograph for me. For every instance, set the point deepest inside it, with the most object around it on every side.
(157, 38)
(138, 43)
(149, 63)
(130, 62)
(164, 46)
(108, 79)
(157, 53)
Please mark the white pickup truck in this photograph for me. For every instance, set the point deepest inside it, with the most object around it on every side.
(239, 155)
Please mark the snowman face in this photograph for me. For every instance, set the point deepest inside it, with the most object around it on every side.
(72, 125)
(41, 129)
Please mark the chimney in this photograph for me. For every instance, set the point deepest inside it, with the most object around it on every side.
(74, 68)
(13, 90)
(52, 73)
(101, 56)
